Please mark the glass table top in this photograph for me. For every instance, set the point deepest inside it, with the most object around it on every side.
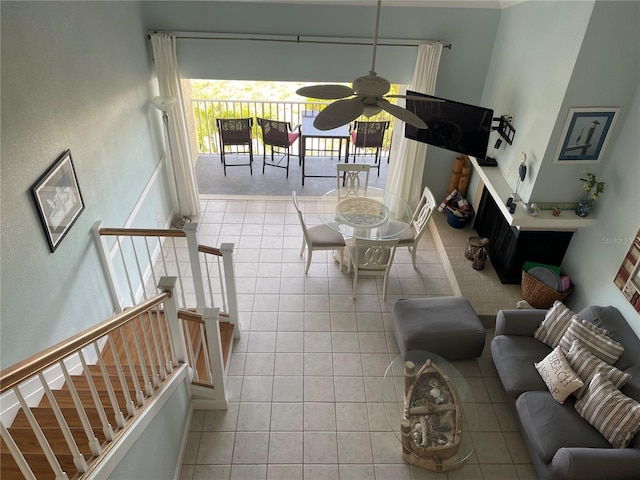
(366, 213)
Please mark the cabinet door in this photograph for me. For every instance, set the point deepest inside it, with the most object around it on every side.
(509, 248)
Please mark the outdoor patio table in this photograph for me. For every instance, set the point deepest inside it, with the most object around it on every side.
(310, 132)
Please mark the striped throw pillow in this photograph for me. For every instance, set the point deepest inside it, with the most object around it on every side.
(593, 339)
(555, 323)
(614, 414)
(586, 365)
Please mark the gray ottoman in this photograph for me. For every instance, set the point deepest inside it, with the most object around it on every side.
(446, 326)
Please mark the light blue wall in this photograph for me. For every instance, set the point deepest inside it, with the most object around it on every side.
(533, 58)
(461, 75)
(78, 76)
(595, 253)
(154, 455)
(606, 74)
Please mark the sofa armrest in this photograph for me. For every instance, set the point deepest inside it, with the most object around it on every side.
(519, 322)
(596, 463)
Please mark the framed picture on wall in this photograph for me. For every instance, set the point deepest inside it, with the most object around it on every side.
(58, 198)
(585, 135)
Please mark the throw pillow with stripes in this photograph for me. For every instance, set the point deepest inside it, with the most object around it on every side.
(593, 339)
(614, 414)
(555, 323)
(586, 365)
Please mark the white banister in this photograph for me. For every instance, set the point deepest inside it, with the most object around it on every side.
(211, 318)
(78, 458)
(167, 284)
(107, 429)
(107, 266)
(117, 413)
(191, 229)
(42, 440)
(230, 282)
(94, 444)
(15, 452)
(132, 368)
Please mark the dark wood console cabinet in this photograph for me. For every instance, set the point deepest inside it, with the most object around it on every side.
(509, 247)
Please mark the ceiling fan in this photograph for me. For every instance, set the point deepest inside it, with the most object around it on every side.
(367, 96)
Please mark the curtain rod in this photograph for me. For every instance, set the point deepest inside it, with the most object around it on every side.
(297, 39)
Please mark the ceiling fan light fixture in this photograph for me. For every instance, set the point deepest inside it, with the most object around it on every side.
(371, 111)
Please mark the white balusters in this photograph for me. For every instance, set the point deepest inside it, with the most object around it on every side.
(78, 459)
(119, 417)
(42, 440)
(107, 429)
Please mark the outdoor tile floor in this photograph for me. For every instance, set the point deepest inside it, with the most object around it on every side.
(305, 379)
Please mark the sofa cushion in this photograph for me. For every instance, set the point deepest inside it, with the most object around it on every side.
(618, 328)
(555, 323)
(586, 365)
(615, 415)
(556, 372)
(549, 426)
(514, 357)
(593, 338)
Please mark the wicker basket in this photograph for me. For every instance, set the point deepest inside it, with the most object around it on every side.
(539, 295)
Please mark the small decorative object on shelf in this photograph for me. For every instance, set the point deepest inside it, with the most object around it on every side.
(593, 188)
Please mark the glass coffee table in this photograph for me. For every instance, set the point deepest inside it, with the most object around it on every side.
(434, 408)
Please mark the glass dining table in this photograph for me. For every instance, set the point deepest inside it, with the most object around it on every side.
(366, 213)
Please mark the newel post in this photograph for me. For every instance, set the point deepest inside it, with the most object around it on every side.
(168, 284)
(230, 283)
(212, 327)
(191, 229)
(107, 265)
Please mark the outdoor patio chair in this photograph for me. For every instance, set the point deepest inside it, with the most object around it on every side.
(235, 134)
(318, 237)
(278, 136)
(367, 139)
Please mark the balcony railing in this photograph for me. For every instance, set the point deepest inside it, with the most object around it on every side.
(206, 111)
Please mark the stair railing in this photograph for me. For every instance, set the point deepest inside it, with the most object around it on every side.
(138, 257)
(151, 348)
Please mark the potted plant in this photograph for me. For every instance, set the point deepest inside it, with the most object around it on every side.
(592, 188)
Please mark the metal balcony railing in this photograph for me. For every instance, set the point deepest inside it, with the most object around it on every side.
(206, 111)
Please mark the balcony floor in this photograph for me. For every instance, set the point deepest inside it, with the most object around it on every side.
(238, 181)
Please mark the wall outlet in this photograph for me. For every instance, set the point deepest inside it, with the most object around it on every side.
(507, 170)
(159, 221)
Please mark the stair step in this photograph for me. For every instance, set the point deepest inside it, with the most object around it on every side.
(28, 443)
(46, 419)
(39, 465)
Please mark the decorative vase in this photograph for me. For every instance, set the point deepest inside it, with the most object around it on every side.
(584, 208)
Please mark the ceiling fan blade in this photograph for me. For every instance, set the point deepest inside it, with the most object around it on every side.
(339, 113)
(415, 97)
(402, 113)
(326, 92)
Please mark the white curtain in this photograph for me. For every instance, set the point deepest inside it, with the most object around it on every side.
(404, 177)
(164, 54)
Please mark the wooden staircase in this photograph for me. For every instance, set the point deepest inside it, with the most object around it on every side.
(129, 401)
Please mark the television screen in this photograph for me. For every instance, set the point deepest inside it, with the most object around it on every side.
(454, 126)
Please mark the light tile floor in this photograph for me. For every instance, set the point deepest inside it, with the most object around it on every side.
(305, 379)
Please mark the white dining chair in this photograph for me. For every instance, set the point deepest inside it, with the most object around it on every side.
(350, 177)
(318, 237)
(409, 237)
(371, 257)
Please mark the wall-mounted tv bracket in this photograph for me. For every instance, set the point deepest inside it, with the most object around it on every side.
(505, 129)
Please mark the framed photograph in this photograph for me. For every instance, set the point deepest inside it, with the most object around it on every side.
(58, 198)
(585, 135)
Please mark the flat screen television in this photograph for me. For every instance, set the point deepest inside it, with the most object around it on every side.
(454, 126)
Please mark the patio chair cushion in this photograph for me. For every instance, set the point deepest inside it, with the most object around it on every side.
(321, 235)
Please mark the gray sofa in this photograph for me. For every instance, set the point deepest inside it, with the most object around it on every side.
(563, 445)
